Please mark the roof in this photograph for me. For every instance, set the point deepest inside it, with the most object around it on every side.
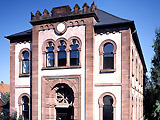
(107, 18)
(24, 33)
(4, 87)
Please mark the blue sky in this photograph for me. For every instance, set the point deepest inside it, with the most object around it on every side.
(15, 17)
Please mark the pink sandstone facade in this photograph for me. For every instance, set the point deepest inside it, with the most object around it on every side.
(80, 64)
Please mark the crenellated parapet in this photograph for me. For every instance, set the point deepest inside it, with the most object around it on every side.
(64, 13)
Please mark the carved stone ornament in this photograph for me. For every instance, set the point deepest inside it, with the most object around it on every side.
(64, 94)
(61, 28)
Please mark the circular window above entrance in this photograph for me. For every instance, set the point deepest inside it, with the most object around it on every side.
(61, 28)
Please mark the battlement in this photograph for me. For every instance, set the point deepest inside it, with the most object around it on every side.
(64, 13)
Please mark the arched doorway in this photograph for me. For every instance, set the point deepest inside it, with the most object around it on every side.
(61, 97)
(65, 100)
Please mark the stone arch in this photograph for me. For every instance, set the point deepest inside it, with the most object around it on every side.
(49, 102)
(20, 103)
(102, 53)
(100, 102)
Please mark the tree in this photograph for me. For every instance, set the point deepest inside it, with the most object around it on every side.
(152, 88)
(155, 69)
(7, 95)
(155, 74)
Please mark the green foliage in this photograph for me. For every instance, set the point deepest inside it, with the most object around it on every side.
(10, 117)
(152, 86)
(7, 95)
(155, 69)
(156, 113)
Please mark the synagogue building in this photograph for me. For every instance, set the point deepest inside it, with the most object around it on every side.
(77, 64)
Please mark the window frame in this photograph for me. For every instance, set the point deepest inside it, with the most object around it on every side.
(79, 49)
(20, 103)
(56, 50)
(21, 74)
(44, 53)
(101, 104)
(66, 50)
(101, 52)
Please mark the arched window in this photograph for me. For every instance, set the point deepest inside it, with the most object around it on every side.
(24, 62)
(50, 55)
(25, 107)
(74, 53)
(107, 56)
(48, 50)
(107, 108)
(61, 53)
(62, 56)
(107, 104)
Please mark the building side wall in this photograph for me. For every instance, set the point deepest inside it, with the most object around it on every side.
(137, 84)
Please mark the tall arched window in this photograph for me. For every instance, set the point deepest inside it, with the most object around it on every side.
(74, 53)
(25, 107)
(50, 55)
(48, 51)
(62, 56)
(108, 56)
(24, 62)
(107, 106)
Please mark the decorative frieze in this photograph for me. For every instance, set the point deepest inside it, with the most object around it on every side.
(70, 23)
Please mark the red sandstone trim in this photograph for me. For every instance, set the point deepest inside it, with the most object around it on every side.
(22, 86)
(49, 94)
(20, 103)
(126, 48)
(101, 52)
(100, 102)
(108, 84)
(58, 32)
(89, 55)
(20, 62)
(35, 67)
(12, 78)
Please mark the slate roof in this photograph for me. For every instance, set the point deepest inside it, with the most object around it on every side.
(108, 19)
(24, 33)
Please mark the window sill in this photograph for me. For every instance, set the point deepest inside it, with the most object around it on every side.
(107, 70)
(62, 67)
(24, 75)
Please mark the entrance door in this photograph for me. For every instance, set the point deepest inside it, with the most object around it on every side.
(64, 113)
